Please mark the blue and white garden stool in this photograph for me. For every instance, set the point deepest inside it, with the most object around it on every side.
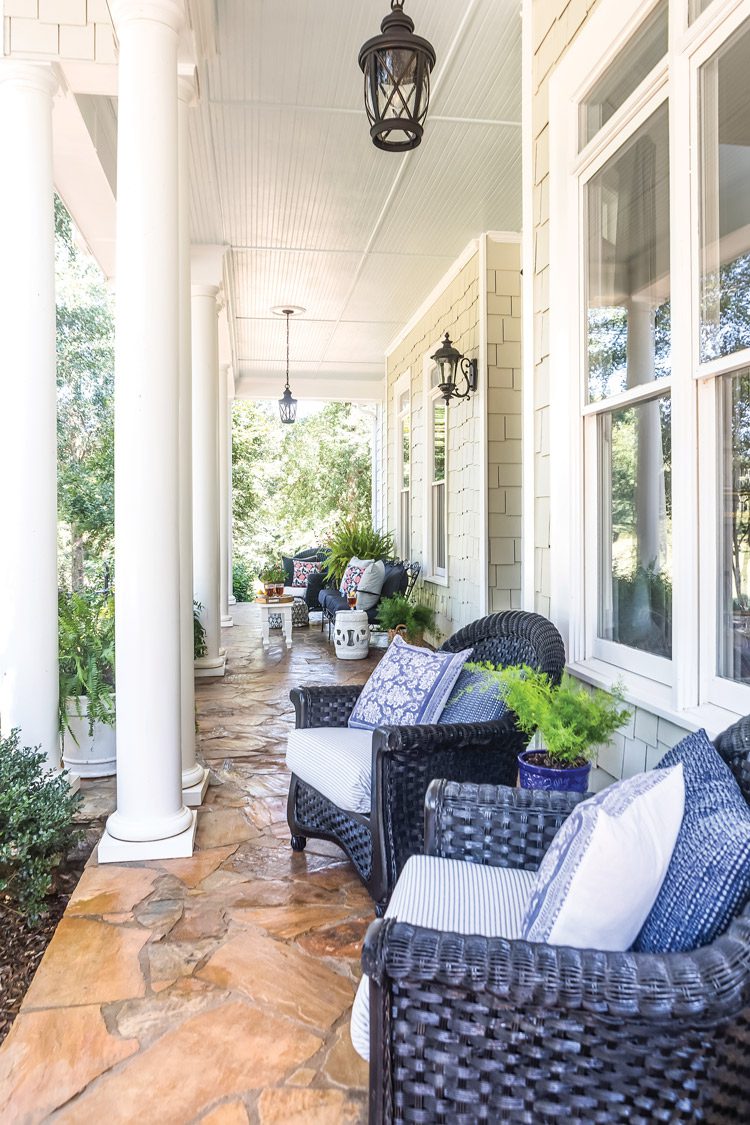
(351, 634)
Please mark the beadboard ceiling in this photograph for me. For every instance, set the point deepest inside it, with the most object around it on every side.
(285, 175)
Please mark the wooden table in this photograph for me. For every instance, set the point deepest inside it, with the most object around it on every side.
(284, 610)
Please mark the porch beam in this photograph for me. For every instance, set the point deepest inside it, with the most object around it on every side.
(151, 820)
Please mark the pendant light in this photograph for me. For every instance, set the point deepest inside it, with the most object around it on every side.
(396, 65)
(287, 404)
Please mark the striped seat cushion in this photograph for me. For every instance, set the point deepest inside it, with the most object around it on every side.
(455, 897)
(337, 761)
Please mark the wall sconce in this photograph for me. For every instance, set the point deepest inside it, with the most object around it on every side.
(451, 364)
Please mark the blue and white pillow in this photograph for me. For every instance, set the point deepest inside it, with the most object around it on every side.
(473, 700)
(604, 868)
(410, 685)
(708, 880)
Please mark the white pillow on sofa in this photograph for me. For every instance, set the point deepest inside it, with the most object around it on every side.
(370, 585)
(602, 872)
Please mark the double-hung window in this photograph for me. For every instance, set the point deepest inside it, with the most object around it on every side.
(650, 346)
(403, 464)
(436, 544)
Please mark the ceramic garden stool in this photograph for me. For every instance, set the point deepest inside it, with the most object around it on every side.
(300, 616)
(351, 634)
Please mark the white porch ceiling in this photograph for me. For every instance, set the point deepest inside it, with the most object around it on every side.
(285, 175)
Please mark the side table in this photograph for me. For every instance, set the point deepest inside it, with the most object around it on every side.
(351, 634)
(283, 610)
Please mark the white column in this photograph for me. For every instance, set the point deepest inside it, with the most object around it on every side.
(151, 820)
(206, 578)
(230, 499)
(194, 776)
(28, 405)
(225, 451)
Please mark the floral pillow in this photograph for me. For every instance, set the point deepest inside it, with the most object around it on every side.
(354, 574)
(410, 685)
(303, 568)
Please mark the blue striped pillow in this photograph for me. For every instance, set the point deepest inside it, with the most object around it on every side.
(708, 879)
(473, 700)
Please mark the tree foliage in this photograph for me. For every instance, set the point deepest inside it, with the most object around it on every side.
(292, 484)
(85, 410)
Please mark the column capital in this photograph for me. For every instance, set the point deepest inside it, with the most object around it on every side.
(203, 289)
(33, 75)
(188, 87)
(169, 12)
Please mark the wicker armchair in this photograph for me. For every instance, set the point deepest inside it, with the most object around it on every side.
(406, 759)
(474, 1029)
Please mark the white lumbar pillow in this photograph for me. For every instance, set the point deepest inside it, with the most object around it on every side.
(603, 870)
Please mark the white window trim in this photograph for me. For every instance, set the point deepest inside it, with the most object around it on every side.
(429, 394)
(401, 387)
(688, 699)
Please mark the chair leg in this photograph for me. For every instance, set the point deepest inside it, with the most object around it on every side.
(298, 843)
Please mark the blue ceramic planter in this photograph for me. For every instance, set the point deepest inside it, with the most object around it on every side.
(574, 780)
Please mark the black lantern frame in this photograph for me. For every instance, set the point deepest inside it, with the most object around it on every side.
(450, 364)
(397, 65)
(287, 403)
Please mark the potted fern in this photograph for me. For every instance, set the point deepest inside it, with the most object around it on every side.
(86, 635)
(410, 620)
(571, 722)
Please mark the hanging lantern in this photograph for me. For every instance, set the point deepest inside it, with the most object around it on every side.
(396, 66)
(287, 404)
(450, 363)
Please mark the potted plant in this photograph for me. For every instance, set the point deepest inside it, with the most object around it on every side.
(353, 538)
(571, 721)
(200, 647)
(272, 577)
(86, 632)
(410, 620)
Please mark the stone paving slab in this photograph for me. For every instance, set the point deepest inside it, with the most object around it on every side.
(217, 988)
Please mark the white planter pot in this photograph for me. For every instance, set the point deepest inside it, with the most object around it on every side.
(95, 754)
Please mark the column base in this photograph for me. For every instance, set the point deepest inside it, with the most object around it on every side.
(193, 795)
(207, 666)
(232, 600)
(111, 850)
(227, 622)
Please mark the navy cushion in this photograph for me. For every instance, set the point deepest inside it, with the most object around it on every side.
(396, 580)
(332, 600)
(708, 879)
(473, 701)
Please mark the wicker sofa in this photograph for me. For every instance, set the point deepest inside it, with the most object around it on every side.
(480, 1029)
(406, 759)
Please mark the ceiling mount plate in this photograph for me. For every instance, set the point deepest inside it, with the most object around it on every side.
(282, 310)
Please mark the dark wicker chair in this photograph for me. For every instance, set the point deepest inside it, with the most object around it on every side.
(470, 1029)
(401, 578)
(406, 759)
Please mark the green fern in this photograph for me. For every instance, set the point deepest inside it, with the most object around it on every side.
(398, 610)
(86, 638)
(353, 538)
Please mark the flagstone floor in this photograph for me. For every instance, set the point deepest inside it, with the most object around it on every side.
(217, 988)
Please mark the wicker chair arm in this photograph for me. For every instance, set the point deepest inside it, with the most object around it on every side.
(704, 985)
(324, 706)
(493, 824)
(425, 737)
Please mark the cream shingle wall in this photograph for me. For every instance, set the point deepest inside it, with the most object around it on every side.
(59, 29)
(504, 424)
(457, 311)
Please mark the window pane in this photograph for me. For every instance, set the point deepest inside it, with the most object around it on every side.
(725, 198)
(627, 281)
(438, 527)
(635, 552)
(734, 536)
(634, 62)
(439, 419)
(405, 530)
(696, 7)
(405, 452)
